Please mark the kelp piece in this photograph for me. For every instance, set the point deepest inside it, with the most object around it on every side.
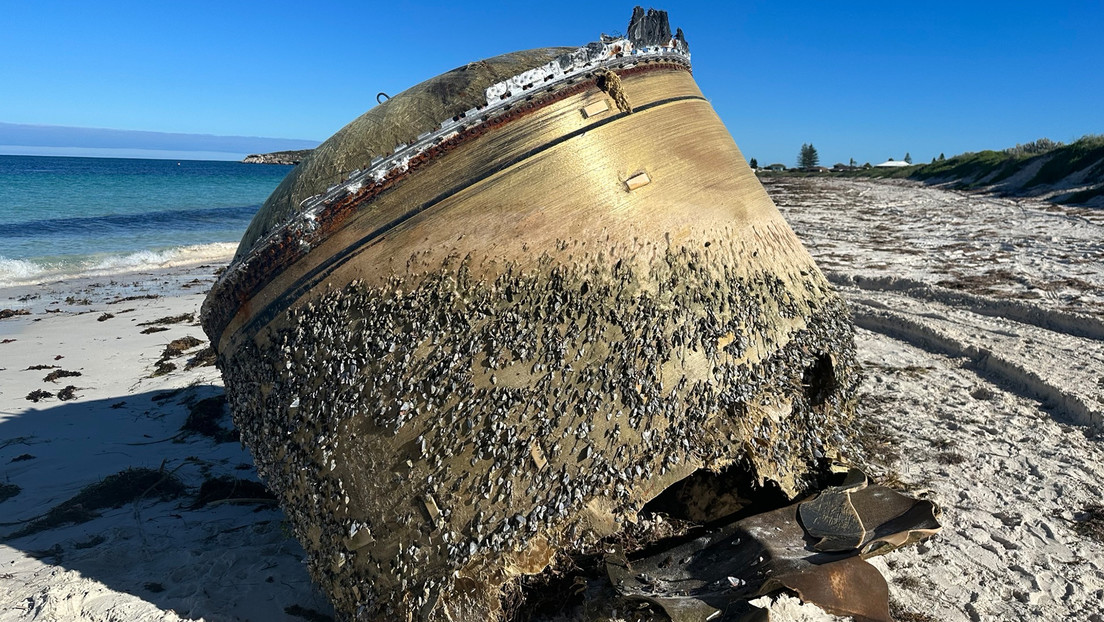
(717, 573)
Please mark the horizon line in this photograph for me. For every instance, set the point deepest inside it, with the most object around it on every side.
(38, 137)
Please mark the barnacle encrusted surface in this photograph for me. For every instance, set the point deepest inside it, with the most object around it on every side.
(433, 435)
(499, 342)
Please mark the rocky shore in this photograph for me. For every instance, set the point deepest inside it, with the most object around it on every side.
(277, 157)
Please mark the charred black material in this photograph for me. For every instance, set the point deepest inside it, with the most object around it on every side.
(651, 28)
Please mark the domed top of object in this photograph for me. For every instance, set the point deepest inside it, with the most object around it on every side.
(376, 133)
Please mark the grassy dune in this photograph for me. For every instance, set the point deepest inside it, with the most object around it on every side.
(1070, 174)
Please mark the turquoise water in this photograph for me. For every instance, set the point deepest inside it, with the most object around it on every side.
(70, 215)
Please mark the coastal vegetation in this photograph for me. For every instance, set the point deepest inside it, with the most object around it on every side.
(808, 157)
(1070, 174)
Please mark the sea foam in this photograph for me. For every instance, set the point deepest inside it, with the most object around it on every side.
(14, 272)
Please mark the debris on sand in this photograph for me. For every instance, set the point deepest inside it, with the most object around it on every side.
(38, 394)
(1091, 522)
(60, 373)
(205, 418)
(7, 491)
(170, 319)
(163, 367)
(127, 486)
(129, 298)
(232, 489)
(177, 347)
(68, 393)
(204, 358)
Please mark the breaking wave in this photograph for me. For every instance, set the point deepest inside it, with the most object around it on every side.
(45, 269)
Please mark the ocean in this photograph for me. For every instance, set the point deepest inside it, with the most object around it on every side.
(63, 217)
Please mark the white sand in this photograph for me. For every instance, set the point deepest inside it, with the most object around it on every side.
(150, 560)
(991, 387)
(993, 392)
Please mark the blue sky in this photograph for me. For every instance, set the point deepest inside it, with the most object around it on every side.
(868, 80)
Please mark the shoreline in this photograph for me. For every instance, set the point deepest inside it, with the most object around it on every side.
(1017, 479)
(137, 267)
(130, 369)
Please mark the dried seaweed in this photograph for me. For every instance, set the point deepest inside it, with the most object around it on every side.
(1091, 523)
(68, 393)
(128, 298)
(38, 394)
(171, 319)
(127, 486)
(204, 358)
(162, 368)
(177, 347)
(7, 491)
(226, 488)
(60, 373)
(204, 418)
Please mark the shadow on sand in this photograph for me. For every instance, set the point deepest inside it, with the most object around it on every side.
(150, 496)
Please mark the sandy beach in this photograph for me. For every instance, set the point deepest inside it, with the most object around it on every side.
(980, 327)
(171, 553)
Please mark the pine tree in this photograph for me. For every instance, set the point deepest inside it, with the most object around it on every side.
(941, 158)
(908, 158)
(807, 157)
(753, 163)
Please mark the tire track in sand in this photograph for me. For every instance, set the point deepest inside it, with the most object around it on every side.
(1053, 356)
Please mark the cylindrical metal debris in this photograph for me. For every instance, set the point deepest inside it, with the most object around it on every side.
(496, 314)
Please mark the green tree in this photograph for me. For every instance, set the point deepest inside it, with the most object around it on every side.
(852, 164)
(807, 157)
(908, 158)
(941, 158)
(753, 163)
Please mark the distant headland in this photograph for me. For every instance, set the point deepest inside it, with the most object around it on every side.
(277, 157)
(57, 140)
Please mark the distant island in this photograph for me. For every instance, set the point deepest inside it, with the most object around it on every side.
(277, 157)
